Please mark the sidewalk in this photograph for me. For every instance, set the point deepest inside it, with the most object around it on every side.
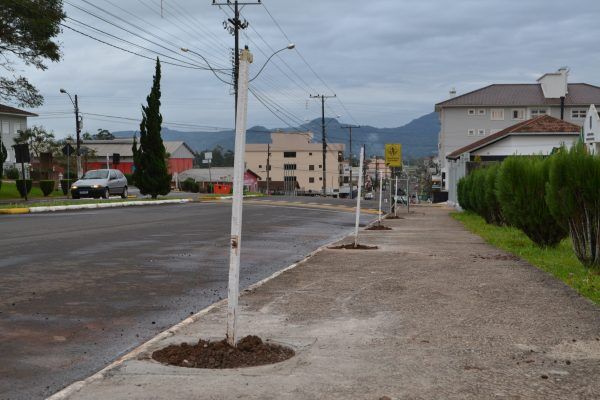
(435, 313)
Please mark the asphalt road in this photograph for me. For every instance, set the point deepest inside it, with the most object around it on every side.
(79, 289)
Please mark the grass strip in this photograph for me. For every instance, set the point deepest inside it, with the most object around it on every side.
(52, 203)
(560, 261)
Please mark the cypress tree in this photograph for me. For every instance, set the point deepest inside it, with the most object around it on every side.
(151, 175)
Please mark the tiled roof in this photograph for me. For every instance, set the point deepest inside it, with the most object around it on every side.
(15, 111)
(523, 95)
(543, 124)
(123, 146)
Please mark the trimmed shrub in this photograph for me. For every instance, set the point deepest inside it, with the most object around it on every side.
(129, 179)
(12, 173)
(492, 205)
(521, 189)
(477, 192)
(190, 185)
(65, 185)
(24, 186)
(573, 197)
(47, 187)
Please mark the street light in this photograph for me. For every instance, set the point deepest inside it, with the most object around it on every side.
(290, 46)
(77, 131)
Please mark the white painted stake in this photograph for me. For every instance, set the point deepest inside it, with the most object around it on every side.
(238, 195)
(380, 195)
(395, 202)
(360, 183)
(107, 161)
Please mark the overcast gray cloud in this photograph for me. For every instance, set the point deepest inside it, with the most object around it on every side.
(389, 61)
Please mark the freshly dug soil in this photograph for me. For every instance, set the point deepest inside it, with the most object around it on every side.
(251, 351)
(393, 217)
(379, 228)
(351, 247)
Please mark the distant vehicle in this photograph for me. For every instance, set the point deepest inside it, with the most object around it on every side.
(100, 183)
(369, 196)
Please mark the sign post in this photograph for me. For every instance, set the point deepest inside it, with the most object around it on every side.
(22, 157)
(380, 195)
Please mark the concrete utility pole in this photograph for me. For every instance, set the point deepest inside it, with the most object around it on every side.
(323, 137)
(360, 183)
(350, 127)
(77, 131)
(394, 197)
(238, 197)
(234, 27)
(380, 195)
(268, 166)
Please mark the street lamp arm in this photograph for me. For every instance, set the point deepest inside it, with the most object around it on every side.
(288, 47)
(186, 50)
(68, 94)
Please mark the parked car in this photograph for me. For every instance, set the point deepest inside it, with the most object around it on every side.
(100, 183)
(369, 196)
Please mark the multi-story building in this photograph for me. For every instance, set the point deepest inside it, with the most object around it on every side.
(12, 120)
(472, 116)
(297, 162)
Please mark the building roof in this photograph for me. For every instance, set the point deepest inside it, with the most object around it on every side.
(123, 147)
(215, 174)
(15, 111)
(542, 125)
(522, 95)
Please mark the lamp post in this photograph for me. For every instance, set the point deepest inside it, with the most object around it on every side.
(235, 242)
(77, 130)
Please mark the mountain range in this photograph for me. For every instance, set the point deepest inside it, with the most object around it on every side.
(419, 137)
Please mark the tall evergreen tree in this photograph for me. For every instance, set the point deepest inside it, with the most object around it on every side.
(3, 157)
(151, 175)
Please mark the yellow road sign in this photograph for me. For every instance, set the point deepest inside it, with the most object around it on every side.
(393, 155)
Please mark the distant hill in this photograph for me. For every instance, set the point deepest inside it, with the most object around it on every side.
(419, 137)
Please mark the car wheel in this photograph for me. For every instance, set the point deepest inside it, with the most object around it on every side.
(106, 194)
(124, 194)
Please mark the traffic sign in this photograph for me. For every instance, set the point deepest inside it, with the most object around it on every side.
(67, 150)
(393, 155)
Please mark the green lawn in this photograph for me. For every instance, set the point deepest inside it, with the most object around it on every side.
(9, 191)
(67, 202)
(560, 261)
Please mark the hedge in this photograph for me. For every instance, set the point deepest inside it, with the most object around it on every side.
(47, 187)
(65, 185)
(24, 186)
(573, 197)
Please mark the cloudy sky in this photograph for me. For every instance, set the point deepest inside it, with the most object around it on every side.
(388, 61)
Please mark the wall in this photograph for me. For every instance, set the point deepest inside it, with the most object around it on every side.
(9, 124)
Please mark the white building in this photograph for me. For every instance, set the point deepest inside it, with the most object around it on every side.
(537, 136)
(475, 115)
(12, 120)
(591, 130)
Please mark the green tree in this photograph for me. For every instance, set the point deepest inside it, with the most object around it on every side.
(103, 134)
(38, 139)
(27, 30)
(87, 136)
(3, 157)
(151, 175)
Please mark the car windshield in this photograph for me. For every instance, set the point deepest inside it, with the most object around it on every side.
(96, 174)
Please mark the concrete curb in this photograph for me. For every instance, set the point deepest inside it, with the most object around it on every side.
(36, 210)
(77, 386)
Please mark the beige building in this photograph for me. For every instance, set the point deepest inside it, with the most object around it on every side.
(296, 163)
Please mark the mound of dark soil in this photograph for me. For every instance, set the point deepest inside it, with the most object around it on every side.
(352, 247)
(251, 351)
(393, 217)
(379, 227)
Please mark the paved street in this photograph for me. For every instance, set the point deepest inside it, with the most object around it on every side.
(79, 289)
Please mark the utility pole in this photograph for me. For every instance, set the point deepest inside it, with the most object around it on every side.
(238, 198)
(233, 26)
(268, 165)
(324, 137)
(78, 131)
(349, 127)
(360, 183)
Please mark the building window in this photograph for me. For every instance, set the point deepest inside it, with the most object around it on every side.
(471, 132)
(492, 131)
(311, 180)
(260, 166)
(289, 179)
(518, 114)
(289, 167)
(481, 111)
(269, 167)
(310, 154)
(578, 114)
(320, 178)
(481, 132)
(320, 166)
(289, 154)
(311, 167)
(497, 114)
(471, 112)
(538, 111)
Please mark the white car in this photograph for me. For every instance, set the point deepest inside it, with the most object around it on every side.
(369, 196)
(100, 183)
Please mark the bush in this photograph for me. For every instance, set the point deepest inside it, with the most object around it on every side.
(573, 197)
(65, 185)
(12, 173)
(47, 187)
(129, 179)
(464, 192)
(492, 205)
(24, 186)
(477, 193)
(521, 187)
(190, 185)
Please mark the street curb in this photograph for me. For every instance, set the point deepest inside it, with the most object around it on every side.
(15, 211)
(36, 210)
(77, 386)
